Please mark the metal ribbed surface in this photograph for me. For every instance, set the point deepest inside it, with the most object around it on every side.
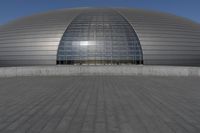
(165, 39)
(34, 40)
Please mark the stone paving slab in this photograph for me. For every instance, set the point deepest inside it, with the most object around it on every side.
(100, 104)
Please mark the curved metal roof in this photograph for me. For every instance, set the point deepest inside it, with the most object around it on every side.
(165, 39)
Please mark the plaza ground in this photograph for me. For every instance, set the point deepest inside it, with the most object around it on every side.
(100, 104)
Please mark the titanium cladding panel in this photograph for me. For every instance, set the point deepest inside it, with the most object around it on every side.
(164, 39)
(34, 40)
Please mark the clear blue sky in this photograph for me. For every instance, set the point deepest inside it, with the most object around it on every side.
(12, 9)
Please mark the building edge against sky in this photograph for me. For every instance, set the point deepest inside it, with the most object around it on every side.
(100, 36)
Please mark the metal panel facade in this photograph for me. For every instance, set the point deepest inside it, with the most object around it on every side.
(165, 39)
(34, 40)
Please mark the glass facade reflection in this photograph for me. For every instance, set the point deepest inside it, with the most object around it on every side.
(99, 37)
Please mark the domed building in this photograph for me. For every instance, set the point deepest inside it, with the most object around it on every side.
(105, 36)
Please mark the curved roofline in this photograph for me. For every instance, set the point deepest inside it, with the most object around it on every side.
(165, 39)
(118, 8)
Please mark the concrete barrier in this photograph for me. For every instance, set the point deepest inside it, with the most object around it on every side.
(99, 70)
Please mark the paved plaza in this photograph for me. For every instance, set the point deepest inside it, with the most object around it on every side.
(100, 104)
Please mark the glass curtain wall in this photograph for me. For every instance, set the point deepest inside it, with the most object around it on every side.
(99, 37)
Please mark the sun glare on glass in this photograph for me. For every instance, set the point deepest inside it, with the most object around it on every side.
(84, 43)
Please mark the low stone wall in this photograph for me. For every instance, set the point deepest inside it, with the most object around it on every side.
(99, 70)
